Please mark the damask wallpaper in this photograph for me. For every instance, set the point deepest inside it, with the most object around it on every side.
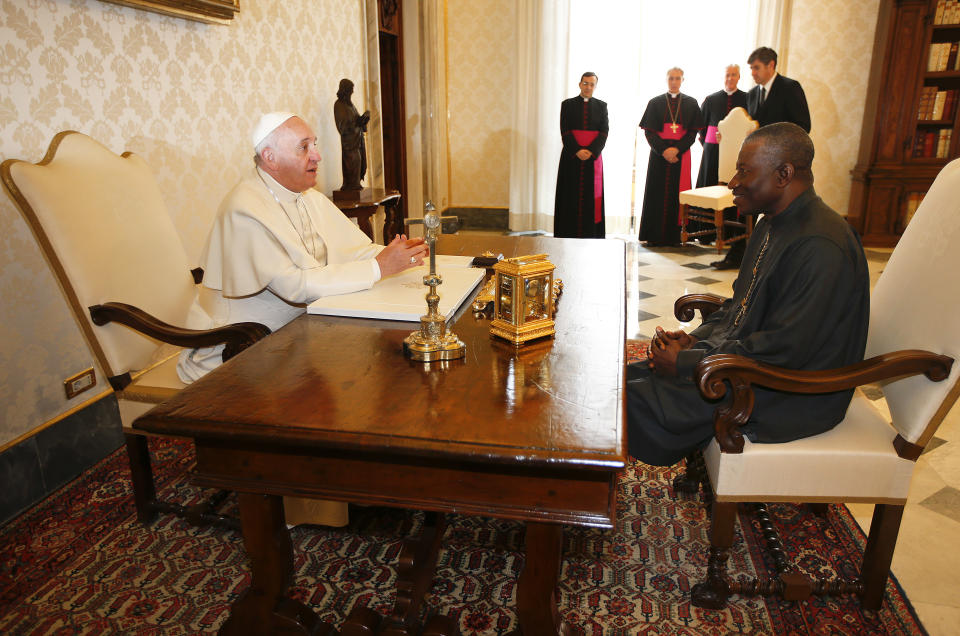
(480, 45)
(831, 46)
(181, 94)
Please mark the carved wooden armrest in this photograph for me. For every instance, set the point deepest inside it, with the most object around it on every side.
(743, 373)
(236, 337)
(685, 306)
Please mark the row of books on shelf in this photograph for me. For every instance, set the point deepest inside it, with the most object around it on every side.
(932, 143)
(943, 57)
(948, 12)
(937, 104)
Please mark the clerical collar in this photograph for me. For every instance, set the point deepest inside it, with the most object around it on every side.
(673, 95)
(278, 191)
(729, 92)
(586, 99)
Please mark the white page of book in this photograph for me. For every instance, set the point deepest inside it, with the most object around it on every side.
(403, 296)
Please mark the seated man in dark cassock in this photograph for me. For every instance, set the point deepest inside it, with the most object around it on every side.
(800, 301)
(714, 108)
(578, 208)
(775, 98)
(670, 124)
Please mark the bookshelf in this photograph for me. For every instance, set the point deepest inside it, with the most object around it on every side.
(911, 118)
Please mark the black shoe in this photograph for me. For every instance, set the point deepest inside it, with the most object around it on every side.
(725, 264)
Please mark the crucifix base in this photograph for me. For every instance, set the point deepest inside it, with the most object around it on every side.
(449, 347)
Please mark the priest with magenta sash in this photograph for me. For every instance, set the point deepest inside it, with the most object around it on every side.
(578, 208)
(670, 123)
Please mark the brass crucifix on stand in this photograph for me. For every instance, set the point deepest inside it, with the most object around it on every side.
(433, 341)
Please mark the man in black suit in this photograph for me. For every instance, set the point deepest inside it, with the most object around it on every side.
(775, 98)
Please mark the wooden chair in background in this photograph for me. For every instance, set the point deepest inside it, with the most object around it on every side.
(707, 205)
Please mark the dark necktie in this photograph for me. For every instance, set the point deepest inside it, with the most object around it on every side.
(763, 94)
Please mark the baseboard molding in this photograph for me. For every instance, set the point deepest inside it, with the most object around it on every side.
(493, 219)
(40, 464)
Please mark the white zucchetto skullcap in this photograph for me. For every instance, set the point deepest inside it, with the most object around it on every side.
(267, 124)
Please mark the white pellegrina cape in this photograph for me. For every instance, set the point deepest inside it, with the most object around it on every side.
(271, 252)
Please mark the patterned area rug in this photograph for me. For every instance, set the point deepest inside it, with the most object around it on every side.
(80, 563)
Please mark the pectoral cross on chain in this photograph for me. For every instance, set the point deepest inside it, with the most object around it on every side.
(673, 128)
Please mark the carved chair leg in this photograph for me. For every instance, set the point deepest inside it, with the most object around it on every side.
(684, 219)
(879, 553)
(718, 223)
(714, 591)
(141, 474)
(695, 474)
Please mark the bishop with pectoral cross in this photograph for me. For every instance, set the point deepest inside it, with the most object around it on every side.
(670, 123)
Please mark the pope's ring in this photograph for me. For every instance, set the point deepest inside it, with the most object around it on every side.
(413, 259)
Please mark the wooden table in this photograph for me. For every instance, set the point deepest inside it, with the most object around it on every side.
(329, 407)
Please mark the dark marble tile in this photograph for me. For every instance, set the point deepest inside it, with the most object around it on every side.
(643, 295)
(703, 280)
(945, 501)
(640, 278)
(872, 391)
(642, 264)
(75, 443)
(644, 315)
(21, 478)
(934, 443)
(696, 265)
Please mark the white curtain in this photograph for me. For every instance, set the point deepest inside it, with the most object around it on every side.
(630, 45)
(539, 86)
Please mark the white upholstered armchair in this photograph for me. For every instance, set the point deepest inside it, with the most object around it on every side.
(102, 225)
(868, 458)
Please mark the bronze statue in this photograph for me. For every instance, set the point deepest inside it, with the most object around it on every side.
(351, 126)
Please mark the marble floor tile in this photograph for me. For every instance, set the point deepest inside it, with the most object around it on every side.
(926, 560)
(939, 620)
(946, 501)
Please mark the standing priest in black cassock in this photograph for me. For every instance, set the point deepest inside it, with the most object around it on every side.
(670, 123)
(578, 208)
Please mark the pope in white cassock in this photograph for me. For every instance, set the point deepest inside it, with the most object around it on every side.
(277, 245)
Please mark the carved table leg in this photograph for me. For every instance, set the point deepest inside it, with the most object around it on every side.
(264, 608)
(392, 224)
(417, 563)
(713, 593)
(141, 474)
(537, 587)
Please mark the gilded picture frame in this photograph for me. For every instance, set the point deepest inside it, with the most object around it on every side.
(209, 11)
